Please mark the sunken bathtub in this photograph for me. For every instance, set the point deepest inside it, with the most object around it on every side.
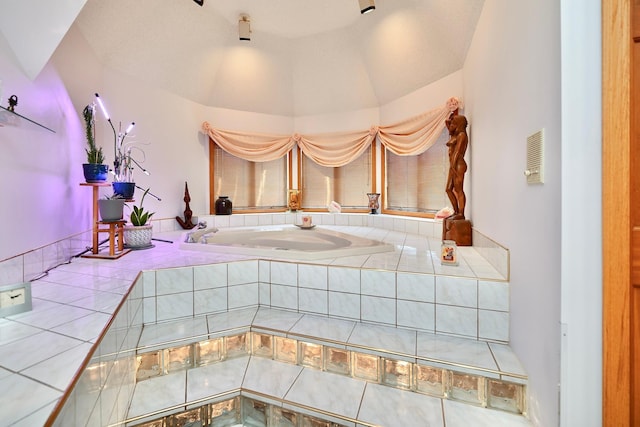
(288, 242)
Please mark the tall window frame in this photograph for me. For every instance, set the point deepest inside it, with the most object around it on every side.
(249, 193)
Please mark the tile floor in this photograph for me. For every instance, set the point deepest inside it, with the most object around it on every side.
(42, 350)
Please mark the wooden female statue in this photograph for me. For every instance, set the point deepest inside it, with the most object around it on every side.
(457, 144)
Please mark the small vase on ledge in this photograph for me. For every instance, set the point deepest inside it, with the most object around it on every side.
(223, 206)
(374, 203)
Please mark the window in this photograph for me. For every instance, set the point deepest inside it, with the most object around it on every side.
(251, 186)
(417, 183)
(348, 185)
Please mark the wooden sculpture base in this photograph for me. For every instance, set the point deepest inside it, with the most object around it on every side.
(458, 230)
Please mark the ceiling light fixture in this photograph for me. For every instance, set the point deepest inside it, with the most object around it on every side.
(200, 2)
(367, 6)
(244, 28)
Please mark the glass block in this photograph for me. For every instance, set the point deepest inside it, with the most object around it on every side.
(308, 421)
(467, 388)
(431, 380)
(286, 350)
(92, 377)
(366, 366)
(235, 345)
(336, 360)
(310, 355)
(154, 423)
(254, 413)
(178, 358)
(397, 373)
(192, 418)
(208, 351)
(225, 414)
(506, 396)
(281, 417)
(149, 365)
(262, 345)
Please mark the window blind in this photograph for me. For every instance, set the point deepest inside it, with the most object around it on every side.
(348, 185)
(417, 183)
(250, 185)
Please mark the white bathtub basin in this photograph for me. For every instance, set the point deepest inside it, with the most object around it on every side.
(288, 242)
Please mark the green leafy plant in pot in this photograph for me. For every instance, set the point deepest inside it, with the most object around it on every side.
(94, 170)
(138, 234)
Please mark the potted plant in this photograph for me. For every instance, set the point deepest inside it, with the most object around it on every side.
(111, 207)
(123, 161)
(138, 234)
(94, 170)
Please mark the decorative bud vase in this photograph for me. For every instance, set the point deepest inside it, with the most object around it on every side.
(374, 203)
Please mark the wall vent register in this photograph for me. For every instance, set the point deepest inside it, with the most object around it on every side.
(535, 158)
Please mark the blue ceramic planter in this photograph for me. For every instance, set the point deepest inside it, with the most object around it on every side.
(124, 189)
(94, 172)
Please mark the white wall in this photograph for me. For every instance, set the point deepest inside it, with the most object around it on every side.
(40, 171)
(581, 360)
(512, 90)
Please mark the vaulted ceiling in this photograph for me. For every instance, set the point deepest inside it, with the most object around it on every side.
(305, 57)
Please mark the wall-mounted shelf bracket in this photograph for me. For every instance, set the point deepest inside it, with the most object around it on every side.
(11, 118)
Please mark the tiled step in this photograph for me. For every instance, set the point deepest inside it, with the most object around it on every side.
(264, 392)
(382, 359)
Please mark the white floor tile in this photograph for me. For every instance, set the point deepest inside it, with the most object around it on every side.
(34, 349)
(459, 414)
(462, 351)
(402, 341)
(269, 377)
(59, 370)
(22, 396)
(161, 392)
(324, 327)
(386, 406)
(216, 378)
(329, 392)
(173, 332)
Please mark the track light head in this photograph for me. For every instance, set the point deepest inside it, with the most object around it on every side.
(199, 2)
(367, 6)
(244, 28)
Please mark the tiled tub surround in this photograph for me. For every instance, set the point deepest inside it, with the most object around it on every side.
(42, 350)
(31, 265)
(461, 306)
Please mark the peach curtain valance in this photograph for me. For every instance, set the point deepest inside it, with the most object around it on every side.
(409, 137)
(255, 147)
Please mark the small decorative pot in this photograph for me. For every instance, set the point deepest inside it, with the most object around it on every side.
(223, 206)
(374, 202)
(124, 189)
(138, 237)
(94, 172)
(110, 209)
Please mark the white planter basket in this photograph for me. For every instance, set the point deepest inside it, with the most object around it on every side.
(138, 237)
